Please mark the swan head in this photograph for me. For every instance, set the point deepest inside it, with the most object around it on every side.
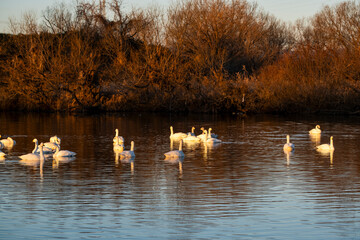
(317, 126)
(35, 140)
(192, 129)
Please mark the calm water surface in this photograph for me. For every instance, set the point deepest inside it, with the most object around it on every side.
(244, 188)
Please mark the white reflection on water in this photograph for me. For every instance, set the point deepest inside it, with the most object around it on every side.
(241, 188)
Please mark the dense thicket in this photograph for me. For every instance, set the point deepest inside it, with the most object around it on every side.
(202, 55)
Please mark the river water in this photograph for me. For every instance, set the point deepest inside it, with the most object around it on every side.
(245, 187)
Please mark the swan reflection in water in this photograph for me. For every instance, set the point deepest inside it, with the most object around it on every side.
(120, 159)
(315, 138)
(176, 160)
(59, 160)
(288, 153)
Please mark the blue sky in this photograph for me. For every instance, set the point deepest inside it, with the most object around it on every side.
(286, 10)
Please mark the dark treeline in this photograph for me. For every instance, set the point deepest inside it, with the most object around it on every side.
(201, 55)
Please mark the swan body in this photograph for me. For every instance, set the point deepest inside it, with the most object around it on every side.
(175, 153)
(33, 157)
(209, 139)
(8, 142)
(118, 147)
(63, 153)
(191, 138)
(202, 136)
(46, 150)
(117, 138)
(176, 136)
(128, 154)
(51, 145)
(315, 130)
(288, 147)
(326, 147)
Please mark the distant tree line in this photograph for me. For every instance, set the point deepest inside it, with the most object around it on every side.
(198, 56)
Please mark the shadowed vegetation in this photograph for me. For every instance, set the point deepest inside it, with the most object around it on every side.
(200, 55)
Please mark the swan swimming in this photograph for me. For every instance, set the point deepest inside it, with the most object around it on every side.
(326, 147)
(191, 139)
(63, 153)
(176, 136)
(118, 147)
(288, 146)
(315, 130)
(8, 142)
(202, 136)
(209, 139)
(212, 135)
(117, 138)
(54, 142)
(128, 154)
(192, 132)
(46, 150)
(175, 153)
(33, 156)
(55, 139)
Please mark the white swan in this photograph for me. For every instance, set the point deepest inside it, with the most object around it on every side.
(192, 133)
(46, 150)
(8, 142)
(326, 147)
(209, 139)
(212, 135)
(176, 136)
(288, 146)
(118, 147)
(55, 139)
(202, 136)
(54, 142)
(128, 154)
(175, 153)
(191, 139)
(33, 156)
(117, 137)
(63, 153)
(315, 130)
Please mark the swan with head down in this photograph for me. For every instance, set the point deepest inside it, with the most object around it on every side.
(315, 130)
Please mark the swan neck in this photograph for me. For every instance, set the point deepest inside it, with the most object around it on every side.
(42, 158)
(180, 145)
(171, 130)
(288, 139)
(132, 146)
(36, 147)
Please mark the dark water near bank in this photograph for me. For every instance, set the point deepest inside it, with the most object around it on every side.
(246, 187)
